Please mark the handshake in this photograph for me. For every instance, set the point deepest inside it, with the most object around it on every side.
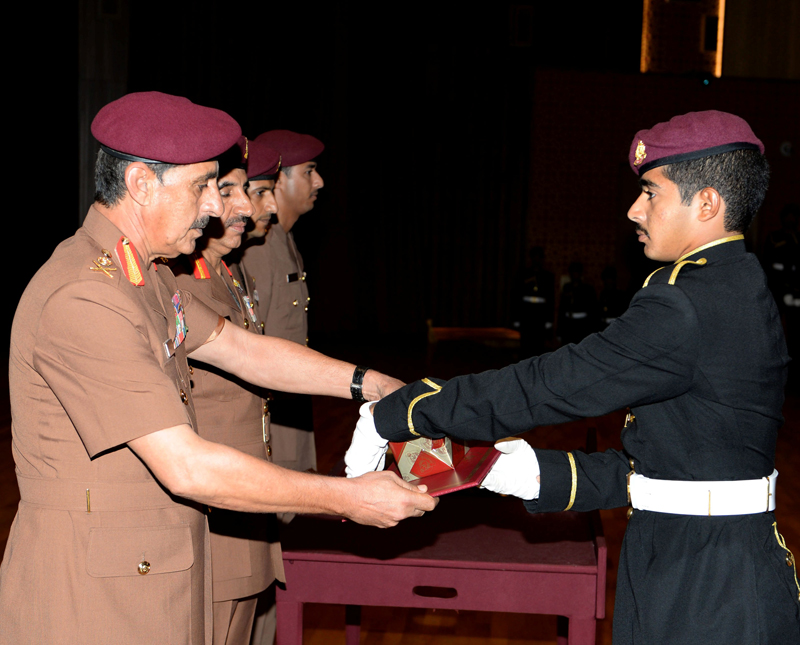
(515, 473)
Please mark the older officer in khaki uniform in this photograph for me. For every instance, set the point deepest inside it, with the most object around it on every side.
(280, 280)
(261, 192)
(245, 553)
(103, 549)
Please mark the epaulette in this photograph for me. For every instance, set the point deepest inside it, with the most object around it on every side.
(130, 262)
(200, 271)
(676, 268)
(682, 263)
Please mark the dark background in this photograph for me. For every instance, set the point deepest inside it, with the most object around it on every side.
(456, 137)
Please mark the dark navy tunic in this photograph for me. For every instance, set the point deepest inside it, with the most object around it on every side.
(701, 360)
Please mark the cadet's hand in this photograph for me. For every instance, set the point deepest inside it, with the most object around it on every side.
(516, 472)
(367, 450)
(383, 499)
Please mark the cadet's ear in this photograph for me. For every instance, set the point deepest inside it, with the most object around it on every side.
(139, 182)
(710, 204)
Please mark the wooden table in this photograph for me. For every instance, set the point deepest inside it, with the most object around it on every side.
(476, 551)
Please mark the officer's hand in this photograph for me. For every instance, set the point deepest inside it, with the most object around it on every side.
(378, 385)
(367, 450)
(383, 499)
(516, 471)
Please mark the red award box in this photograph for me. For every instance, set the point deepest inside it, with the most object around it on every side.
(424, 457)
(478, 459)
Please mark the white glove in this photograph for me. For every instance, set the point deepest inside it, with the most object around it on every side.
(515, 471)
(367, 451)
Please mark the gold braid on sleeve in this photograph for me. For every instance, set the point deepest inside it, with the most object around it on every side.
(574, 481)
(436, 390)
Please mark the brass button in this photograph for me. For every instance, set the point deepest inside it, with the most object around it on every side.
(630, 512)
(246, 324)
(266, 407)
(308, 299)
(262, 324)
(191, 370)
(144, 568)
(184, 398)
(269, 450)
(305, 308)
(294, 303)
(789, 560)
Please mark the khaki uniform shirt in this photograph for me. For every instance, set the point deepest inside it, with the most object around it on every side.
(245, 552)
(275, 271)
(99, 553)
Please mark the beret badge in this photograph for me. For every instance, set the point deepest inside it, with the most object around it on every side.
(641, 155)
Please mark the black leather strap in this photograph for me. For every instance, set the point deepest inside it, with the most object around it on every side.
(358, 382)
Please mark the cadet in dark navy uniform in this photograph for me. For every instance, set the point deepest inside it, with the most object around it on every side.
(701, 359)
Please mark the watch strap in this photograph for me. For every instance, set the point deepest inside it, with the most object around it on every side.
(357, 384)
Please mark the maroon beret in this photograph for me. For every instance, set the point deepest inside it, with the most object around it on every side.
(262, 161)
(244, 150)
(294, 148)
(161, 128)
(691, 136)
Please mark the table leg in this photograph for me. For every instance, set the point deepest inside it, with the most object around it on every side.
(582, 631)
(562, 630)
(290, 623)
(352, 629)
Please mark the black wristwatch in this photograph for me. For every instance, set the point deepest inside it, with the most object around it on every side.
(358, 382)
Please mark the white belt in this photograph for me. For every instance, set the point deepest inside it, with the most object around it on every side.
(742, 497)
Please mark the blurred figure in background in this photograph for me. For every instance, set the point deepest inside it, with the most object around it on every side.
(537, 305)
(577, 308)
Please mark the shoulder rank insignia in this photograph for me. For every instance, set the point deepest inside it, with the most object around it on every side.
(680, 265)
(130, 263)
(201, 271)
(104, 264)
(640, 154)
(676, 268)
